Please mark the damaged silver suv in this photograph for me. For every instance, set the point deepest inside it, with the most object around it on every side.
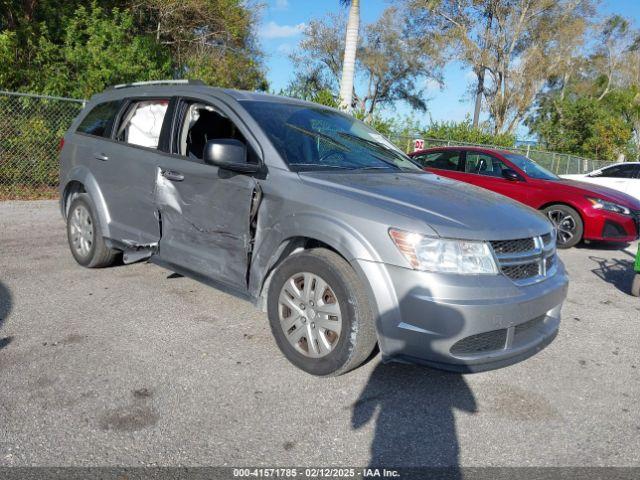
(315, 217)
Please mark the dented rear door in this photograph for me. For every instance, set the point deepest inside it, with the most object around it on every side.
(204, 213)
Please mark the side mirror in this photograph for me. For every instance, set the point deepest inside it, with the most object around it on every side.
(512, 175)
(229, 154)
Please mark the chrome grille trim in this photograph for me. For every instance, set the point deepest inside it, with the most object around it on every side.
(541, 259)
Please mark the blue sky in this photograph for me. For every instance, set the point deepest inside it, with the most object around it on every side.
(283, 20)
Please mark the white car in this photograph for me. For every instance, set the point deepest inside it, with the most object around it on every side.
(624, 177)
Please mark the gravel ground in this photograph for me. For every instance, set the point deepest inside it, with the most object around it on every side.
(133, 366)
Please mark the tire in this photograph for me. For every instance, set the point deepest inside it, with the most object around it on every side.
(89, 250)
(331, 353)
(568, 222)
(635, 285)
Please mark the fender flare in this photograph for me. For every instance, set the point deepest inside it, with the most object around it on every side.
(83, 175)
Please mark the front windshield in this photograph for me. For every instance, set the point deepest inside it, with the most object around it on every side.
(531, 168)
(317, 138)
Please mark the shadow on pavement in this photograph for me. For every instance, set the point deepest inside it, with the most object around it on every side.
(605, 246)
(6, 303)
(618, 272)
(415, 405)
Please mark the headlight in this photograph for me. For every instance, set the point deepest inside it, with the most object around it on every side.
(610, 206)
(464, 257)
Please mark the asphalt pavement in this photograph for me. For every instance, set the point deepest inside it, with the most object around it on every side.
(132, 365)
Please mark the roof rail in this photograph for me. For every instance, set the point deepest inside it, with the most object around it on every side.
(158, 82)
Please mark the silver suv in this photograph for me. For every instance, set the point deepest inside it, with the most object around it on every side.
(315, 217)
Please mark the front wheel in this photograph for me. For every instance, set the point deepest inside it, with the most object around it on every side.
(568, 224)
(319, 313)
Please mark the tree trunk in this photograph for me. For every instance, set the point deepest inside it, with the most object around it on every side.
(349, 63)
(480, 73)
(479, 92)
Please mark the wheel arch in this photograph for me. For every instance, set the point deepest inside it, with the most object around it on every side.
(566, 204)
(81, 180)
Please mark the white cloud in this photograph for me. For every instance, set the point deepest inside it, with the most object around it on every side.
(273, 30)
(431, 85)
(285, 48)
(282, 4)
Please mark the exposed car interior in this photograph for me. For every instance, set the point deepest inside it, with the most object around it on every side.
(481, 164)
(142, 123)
(200, 124)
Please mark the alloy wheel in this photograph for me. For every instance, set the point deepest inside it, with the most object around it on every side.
(564, 223)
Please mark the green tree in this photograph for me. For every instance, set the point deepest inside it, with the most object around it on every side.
(70, 48)
(585, 126)
(511, 46)
(98, 49)
(465, 132)
(391, 64)
(212, 40)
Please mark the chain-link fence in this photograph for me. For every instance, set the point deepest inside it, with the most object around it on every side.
(31, 127)
(558, 163)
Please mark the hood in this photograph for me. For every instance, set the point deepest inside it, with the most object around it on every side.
(600, 191)
(453, 209)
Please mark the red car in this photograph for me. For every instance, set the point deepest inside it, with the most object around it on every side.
(578, 210)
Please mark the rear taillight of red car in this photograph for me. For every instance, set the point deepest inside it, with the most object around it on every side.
(60, 144)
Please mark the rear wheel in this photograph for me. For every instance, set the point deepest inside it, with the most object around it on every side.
(84, 235)
(568, 224)
(319, 313)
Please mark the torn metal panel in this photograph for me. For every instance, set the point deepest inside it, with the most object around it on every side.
(135, 252)
(166, 194)
(133, 256)
(206, 219)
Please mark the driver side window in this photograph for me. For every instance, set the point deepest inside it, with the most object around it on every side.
(202, 122)
(483, 164)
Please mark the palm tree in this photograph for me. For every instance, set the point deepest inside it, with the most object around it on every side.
(350, 47)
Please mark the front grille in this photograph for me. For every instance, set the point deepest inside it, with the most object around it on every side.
(550, 262)
(526, 260)
(513, 246)
(520, 272)
(482, 342)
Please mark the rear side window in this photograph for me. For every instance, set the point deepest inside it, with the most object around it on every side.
(141, 124)
(448, 160)
(99, 120)
(619, 171)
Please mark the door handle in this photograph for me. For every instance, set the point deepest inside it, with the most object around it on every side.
(172, 175)
(101, 156)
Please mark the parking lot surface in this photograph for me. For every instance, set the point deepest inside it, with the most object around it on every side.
(133, 366)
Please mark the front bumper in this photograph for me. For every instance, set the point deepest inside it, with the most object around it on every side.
(462, 323)
(602, 225)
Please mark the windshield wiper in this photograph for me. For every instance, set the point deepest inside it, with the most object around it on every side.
(375, 168)
(377, 146)
(322, 165)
